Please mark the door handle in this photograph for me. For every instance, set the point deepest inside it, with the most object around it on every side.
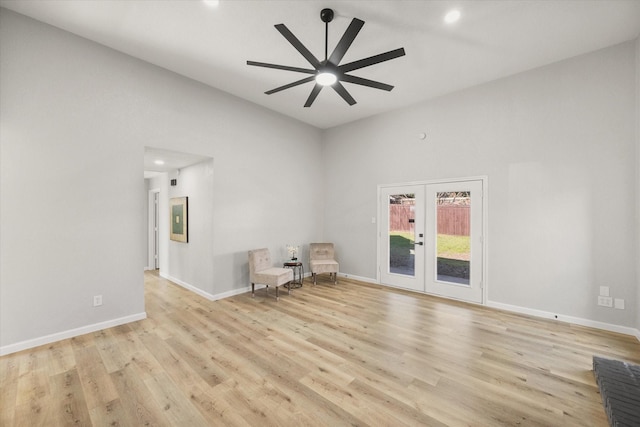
(419, 243)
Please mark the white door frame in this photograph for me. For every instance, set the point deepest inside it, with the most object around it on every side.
(485, 221)
(151, 219)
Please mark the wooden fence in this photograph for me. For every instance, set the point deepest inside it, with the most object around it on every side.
(452, 219)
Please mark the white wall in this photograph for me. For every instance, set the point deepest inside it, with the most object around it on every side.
(191, 263)
(74, 119)
(556, 144)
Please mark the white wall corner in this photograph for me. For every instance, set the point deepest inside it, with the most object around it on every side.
(204, 294)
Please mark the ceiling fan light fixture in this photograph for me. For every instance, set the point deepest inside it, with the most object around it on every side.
(326, 78)
(452, 16)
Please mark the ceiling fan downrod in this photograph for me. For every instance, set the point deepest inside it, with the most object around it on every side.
(327, 16)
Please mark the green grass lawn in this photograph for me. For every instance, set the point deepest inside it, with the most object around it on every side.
(453, 253)
(400, 248)
(454, 247)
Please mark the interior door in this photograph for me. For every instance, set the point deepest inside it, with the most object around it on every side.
(454, 241)
(401, 236)
(431, 238)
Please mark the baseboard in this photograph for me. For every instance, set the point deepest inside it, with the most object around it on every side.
(533, 312)
(59, 336)
(568, 319)
(205, 294)
(359, 278)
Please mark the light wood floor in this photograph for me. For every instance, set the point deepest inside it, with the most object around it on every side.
(351, 354)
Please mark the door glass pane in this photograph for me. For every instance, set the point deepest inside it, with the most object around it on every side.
(453, 250)
(402, 234)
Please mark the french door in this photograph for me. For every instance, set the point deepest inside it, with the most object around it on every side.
(402, 236)
(431, 238)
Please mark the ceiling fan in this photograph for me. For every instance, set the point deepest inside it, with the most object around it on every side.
(329, 72)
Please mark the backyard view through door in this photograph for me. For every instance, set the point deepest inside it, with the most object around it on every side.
(402, 242)
(431, 238)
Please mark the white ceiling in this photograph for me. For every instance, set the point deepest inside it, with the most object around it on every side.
(493, 39)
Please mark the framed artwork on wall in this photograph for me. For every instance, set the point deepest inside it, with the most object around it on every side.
(178, 210)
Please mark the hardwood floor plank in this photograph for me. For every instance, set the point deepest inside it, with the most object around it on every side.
(138, 406)
(109, 414)
(176, 406)
(98, 389)
(60, 358)
(9, 375)
(201, 364)
(69, 407)
(33, 397)
(328, 355)
(215, 408)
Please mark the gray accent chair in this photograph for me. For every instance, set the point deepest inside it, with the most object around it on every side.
(262, 271)
(322, 259)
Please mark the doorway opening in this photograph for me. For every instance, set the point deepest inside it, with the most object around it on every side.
(158, 164)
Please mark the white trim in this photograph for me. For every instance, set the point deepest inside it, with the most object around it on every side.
(359, 278)
(59, 336)
(437, 181)
(567, 319)
(485, 239)
(205, 294)
(151, 262)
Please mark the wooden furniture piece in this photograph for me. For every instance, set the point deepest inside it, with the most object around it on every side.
(262, 271)
(322, 260)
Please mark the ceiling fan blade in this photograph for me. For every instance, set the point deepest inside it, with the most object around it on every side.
(365, 82)
(345, 41)
(392, 54)
(313, 95)
(337, 86)
(298, 45)
(296, 83)
(281, 67)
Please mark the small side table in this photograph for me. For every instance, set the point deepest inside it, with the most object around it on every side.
(298, 273)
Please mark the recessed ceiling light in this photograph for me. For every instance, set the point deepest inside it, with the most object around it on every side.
(159, 162)
(452, 16)
(211, 3)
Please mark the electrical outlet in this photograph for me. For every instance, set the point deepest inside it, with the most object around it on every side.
(605, 301)
(619, 303)
(604, 291)
(97, 300)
